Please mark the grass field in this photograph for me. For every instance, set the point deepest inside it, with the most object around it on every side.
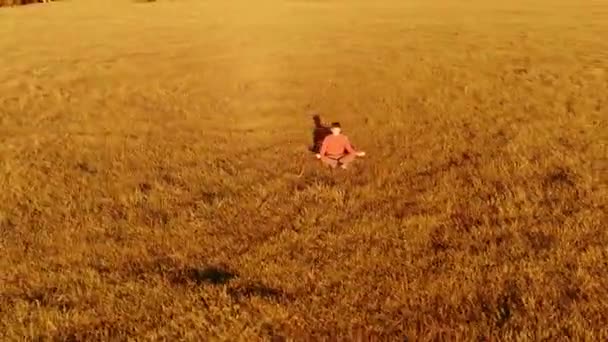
(156, 183)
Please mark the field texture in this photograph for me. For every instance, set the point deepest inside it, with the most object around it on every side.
(156, 182)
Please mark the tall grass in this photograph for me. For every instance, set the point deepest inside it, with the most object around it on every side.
(20, 2)
(156, 182)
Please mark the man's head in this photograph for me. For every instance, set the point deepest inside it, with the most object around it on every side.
(336, 128)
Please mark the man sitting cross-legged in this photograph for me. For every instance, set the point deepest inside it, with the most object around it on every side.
(337, 150)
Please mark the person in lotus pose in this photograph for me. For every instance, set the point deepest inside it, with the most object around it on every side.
(337, 150)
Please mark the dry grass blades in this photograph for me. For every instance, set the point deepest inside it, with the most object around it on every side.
(21, 2)
(156, 181)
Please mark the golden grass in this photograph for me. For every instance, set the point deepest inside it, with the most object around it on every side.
(20, 2)
(156, 182)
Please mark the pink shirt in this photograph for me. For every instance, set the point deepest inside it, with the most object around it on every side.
(335, 145)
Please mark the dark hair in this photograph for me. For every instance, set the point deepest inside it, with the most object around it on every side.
(335, 124)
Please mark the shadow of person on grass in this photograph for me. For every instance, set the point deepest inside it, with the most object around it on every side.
(318, 134)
